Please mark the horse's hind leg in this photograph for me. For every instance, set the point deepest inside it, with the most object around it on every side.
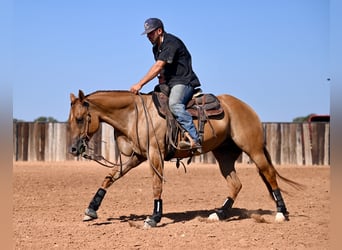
(226, 155)
(268, 173)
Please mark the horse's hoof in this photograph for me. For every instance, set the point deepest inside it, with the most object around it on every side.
(90, 214)
(280, 217)
(214, 217)
(149, 223)
(87, 218)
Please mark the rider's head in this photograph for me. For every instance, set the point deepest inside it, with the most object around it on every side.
(154, 30)
(152, 24)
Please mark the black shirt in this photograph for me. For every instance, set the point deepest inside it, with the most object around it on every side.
(178, 68)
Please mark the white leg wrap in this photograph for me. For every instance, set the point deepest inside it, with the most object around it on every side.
(280, 217)
(213, 217)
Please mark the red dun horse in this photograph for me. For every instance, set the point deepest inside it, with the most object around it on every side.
(140, 134)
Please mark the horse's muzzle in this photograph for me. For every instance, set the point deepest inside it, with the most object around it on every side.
(78, 147)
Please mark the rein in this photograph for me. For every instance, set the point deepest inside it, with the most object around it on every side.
(160, 175)
(99, 158)
(106, 163)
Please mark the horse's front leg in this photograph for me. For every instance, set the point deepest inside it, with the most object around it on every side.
(157, 214)
(234, 187)
(117, 173)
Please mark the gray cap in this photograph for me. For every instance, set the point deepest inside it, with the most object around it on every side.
(152, 24)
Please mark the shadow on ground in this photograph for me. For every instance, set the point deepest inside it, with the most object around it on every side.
(180, 217)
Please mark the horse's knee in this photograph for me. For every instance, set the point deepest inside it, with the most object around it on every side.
(109, 180)
(157, 181)
(157, 190)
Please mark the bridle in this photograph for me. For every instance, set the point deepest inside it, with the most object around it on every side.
(83, 138)
(82, 145)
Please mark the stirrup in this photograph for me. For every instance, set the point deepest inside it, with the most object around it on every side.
(190, 144)
(184, 145)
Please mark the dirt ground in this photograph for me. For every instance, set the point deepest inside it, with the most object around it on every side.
(49, 200)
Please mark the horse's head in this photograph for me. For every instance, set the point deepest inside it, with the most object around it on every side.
(83, 123)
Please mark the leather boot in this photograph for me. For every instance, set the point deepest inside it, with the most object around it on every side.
(189, 143)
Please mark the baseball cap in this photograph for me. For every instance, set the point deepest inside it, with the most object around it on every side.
(152, 24)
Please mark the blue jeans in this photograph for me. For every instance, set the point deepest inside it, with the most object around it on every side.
(179, 96)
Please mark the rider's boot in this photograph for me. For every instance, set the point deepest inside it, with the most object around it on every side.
(190, 143)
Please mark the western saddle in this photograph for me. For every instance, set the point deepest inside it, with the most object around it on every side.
(201, 107)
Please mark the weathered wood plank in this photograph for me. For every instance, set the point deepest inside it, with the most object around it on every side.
(317, 142)
(289, 149)
(108, 146)
(326, 160)
(22, 133)
(299, 145)
(307, 144)
(273, 141)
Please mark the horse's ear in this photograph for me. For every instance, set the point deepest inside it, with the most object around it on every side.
(80, 95)
(72, 98)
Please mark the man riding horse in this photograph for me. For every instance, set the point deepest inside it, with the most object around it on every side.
(174, 67)
(238, 129)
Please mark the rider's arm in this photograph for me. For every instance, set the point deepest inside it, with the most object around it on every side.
(152, 73)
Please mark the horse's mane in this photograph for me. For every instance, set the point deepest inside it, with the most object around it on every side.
(113, 91)
(108, 91)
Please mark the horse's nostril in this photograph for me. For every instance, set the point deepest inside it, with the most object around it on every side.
(73, 150)
(78, 148)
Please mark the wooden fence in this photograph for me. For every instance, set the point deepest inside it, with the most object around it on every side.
(288, 143)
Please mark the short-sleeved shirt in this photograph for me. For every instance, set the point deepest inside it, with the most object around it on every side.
(178, 68)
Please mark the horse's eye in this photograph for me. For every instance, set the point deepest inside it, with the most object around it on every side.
(79, 120)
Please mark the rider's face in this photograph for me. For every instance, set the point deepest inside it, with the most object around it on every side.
(154, 36)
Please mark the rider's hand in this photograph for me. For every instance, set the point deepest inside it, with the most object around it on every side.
(135, 88)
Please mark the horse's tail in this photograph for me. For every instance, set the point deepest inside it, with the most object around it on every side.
(294, 184)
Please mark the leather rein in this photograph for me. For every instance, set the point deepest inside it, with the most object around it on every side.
(84, 138)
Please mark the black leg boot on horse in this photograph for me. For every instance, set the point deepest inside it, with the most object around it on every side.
(282, 213)
(90, 212)
(223, 212)
(156, 216)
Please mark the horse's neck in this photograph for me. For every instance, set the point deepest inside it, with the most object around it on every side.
(118, 109)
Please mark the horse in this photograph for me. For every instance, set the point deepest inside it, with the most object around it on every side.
(140, 134)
